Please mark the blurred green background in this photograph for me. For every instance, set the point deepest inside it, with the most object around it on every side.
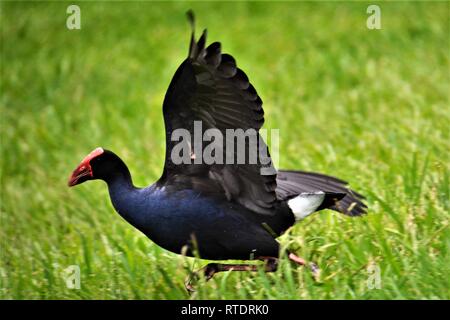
(368, 106)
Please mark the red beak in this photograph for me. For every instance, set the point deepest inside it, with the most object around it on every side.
(84, 171)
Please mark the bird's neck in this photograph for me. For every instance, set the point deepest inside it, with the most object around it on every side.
(125, 197)
(120, 181)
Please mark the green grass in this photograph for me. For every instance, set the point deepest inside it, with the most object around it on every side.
(371, 107)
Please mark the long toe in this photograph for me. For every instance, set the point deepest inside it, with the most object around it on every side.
(190, 281)
(315, 270)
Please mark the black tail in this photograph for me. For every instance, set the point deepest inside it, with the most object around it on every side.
(292, 183)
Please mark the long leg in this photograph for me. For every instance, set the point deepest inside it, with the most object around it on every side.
(302, 262)
(211, 269)
(271, 265)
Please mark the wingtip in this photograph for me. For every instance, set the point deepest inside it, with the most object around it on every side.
(195, 48)
(192, 46)
(191, 18)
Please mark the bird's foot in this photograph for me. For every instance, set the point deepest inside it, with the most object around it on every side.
(208, 272)
(315, 271)
(314, 268)
(189, 282)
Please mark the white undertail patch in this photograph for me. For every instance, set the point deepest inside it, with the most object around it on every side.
(305, 203)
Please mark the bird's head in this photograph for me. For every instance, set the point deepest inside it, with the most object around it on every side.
(99, 164)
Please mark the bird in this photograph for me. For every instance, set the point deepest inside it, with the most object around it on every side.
(217, 211)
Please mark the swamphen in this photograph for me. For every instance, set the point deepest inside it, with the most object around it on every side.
(220, 211)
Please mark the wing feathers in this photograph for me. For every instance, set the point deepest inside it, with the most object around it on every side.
(213, 55)
(209, 87)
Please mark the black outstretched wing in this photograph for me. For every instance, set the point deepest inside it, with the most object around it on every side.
(209, 87)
